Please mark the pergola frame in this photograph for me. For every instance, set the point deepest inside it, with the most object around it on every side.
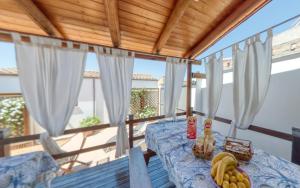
(233, 13)
(175, 12)
(241, 10)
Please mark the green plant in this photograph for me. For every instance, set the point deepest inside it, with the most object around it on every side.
(11, 115)
(138, 94)
(90, 121)
(148, 111)
(140, 107)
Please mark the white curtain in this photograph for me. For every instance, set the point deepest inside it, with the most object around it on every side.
(214, 83)
(116, 69)
(50, 78)
(174, 76)
(251, 77)
(198, 96)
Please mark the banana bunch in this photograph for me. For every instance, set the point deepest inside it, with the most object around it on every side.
(225, 174)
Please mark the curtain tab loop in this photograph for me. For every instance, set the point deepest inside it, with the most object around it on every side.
(270, 33)
(16, 37)
(99, 49)
(69, 44)
(257, 37)
(221, 56)
(84, 47)
(235, 47)
(132, 54)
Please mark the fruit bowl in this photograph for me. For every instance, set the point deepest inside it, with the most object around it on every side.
(238, 169)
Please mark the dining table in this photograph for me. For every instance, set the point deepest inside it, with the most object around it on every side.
(27, 170)
(168, 139)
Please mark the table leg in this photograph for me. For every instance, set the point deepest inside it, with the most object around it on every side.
(148, 154)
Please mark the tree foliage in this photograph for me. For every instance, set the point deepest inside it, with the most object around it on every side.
(11, 115)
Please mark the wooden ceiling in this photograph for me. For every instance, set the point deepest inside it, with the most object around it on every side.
(182, 28)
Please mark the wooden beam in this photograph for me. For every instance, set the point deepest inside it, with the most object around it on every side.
(174, 18)
(188, 89)
(130, 130)
(39, 18)
(6, 37)
(133, 122)
(111, 9)
(241, 13)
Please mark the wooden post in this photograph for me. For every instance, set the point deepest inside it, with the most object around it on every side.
(188, 89)
(130, 124)
(296, 145)
(4, 149)
(94, 97)
(26, 121)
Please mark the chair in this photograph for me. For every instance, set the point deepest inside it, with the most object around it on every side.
(138, 173)
(53, 148)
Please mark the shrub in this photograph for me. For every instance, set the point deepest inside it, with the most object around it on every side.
(11, 115)
(148, 111)
(90, 121)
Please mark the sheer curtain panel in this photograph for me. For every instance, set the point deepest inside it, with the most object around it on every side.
(174, 76)
(50, 79)
(214, 83)
(251, 77)
(116, 68)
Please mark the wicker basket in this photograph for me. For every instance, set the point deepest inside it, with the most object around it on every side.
(241, 149)
(200, 154)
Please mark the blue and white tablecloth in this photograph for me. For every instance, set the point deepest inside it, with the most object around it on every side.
(24, 171)
(168, 140)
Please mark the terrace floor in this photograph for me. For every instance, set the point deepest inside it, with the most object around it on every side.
(73, 142)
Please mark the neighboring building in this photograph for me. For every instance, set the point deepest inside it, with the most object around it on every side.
(284, 44)
(281, 107)
(9, 80)
(90, 100)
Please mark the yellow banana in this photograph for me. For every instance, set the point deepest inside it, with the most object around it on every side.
(240, 177)
(214, 169)
(232, 185)
(220, 156)
(226, 161)
(241, 185)
(246, 182)
(229, 168)
(225, 184)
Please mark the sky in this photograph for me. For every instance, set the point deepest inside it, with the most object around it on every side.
(274, 12)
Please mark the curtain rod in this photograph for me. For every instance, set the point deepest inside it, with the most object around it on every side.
(265, 30)
(5, 35)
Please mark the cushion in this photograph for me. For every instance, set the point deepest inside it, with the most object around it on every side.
(5, 180)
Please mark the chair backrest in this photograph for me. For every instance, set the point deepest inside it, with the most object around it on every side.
(138, 173)
(49, 144)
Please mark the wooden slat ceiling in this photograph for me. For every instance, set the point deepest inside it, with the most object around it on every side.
(167, 27)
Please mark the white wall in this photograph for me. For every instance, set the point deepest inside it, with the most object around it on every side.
(280, 111)
(144, 83)
(9, 84)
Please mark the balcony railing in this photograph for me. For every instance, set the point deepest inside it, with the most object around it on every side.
(131, 122)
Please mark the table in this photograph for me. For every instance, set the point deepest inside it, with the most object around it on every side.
(24, 171)
(168, 140)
